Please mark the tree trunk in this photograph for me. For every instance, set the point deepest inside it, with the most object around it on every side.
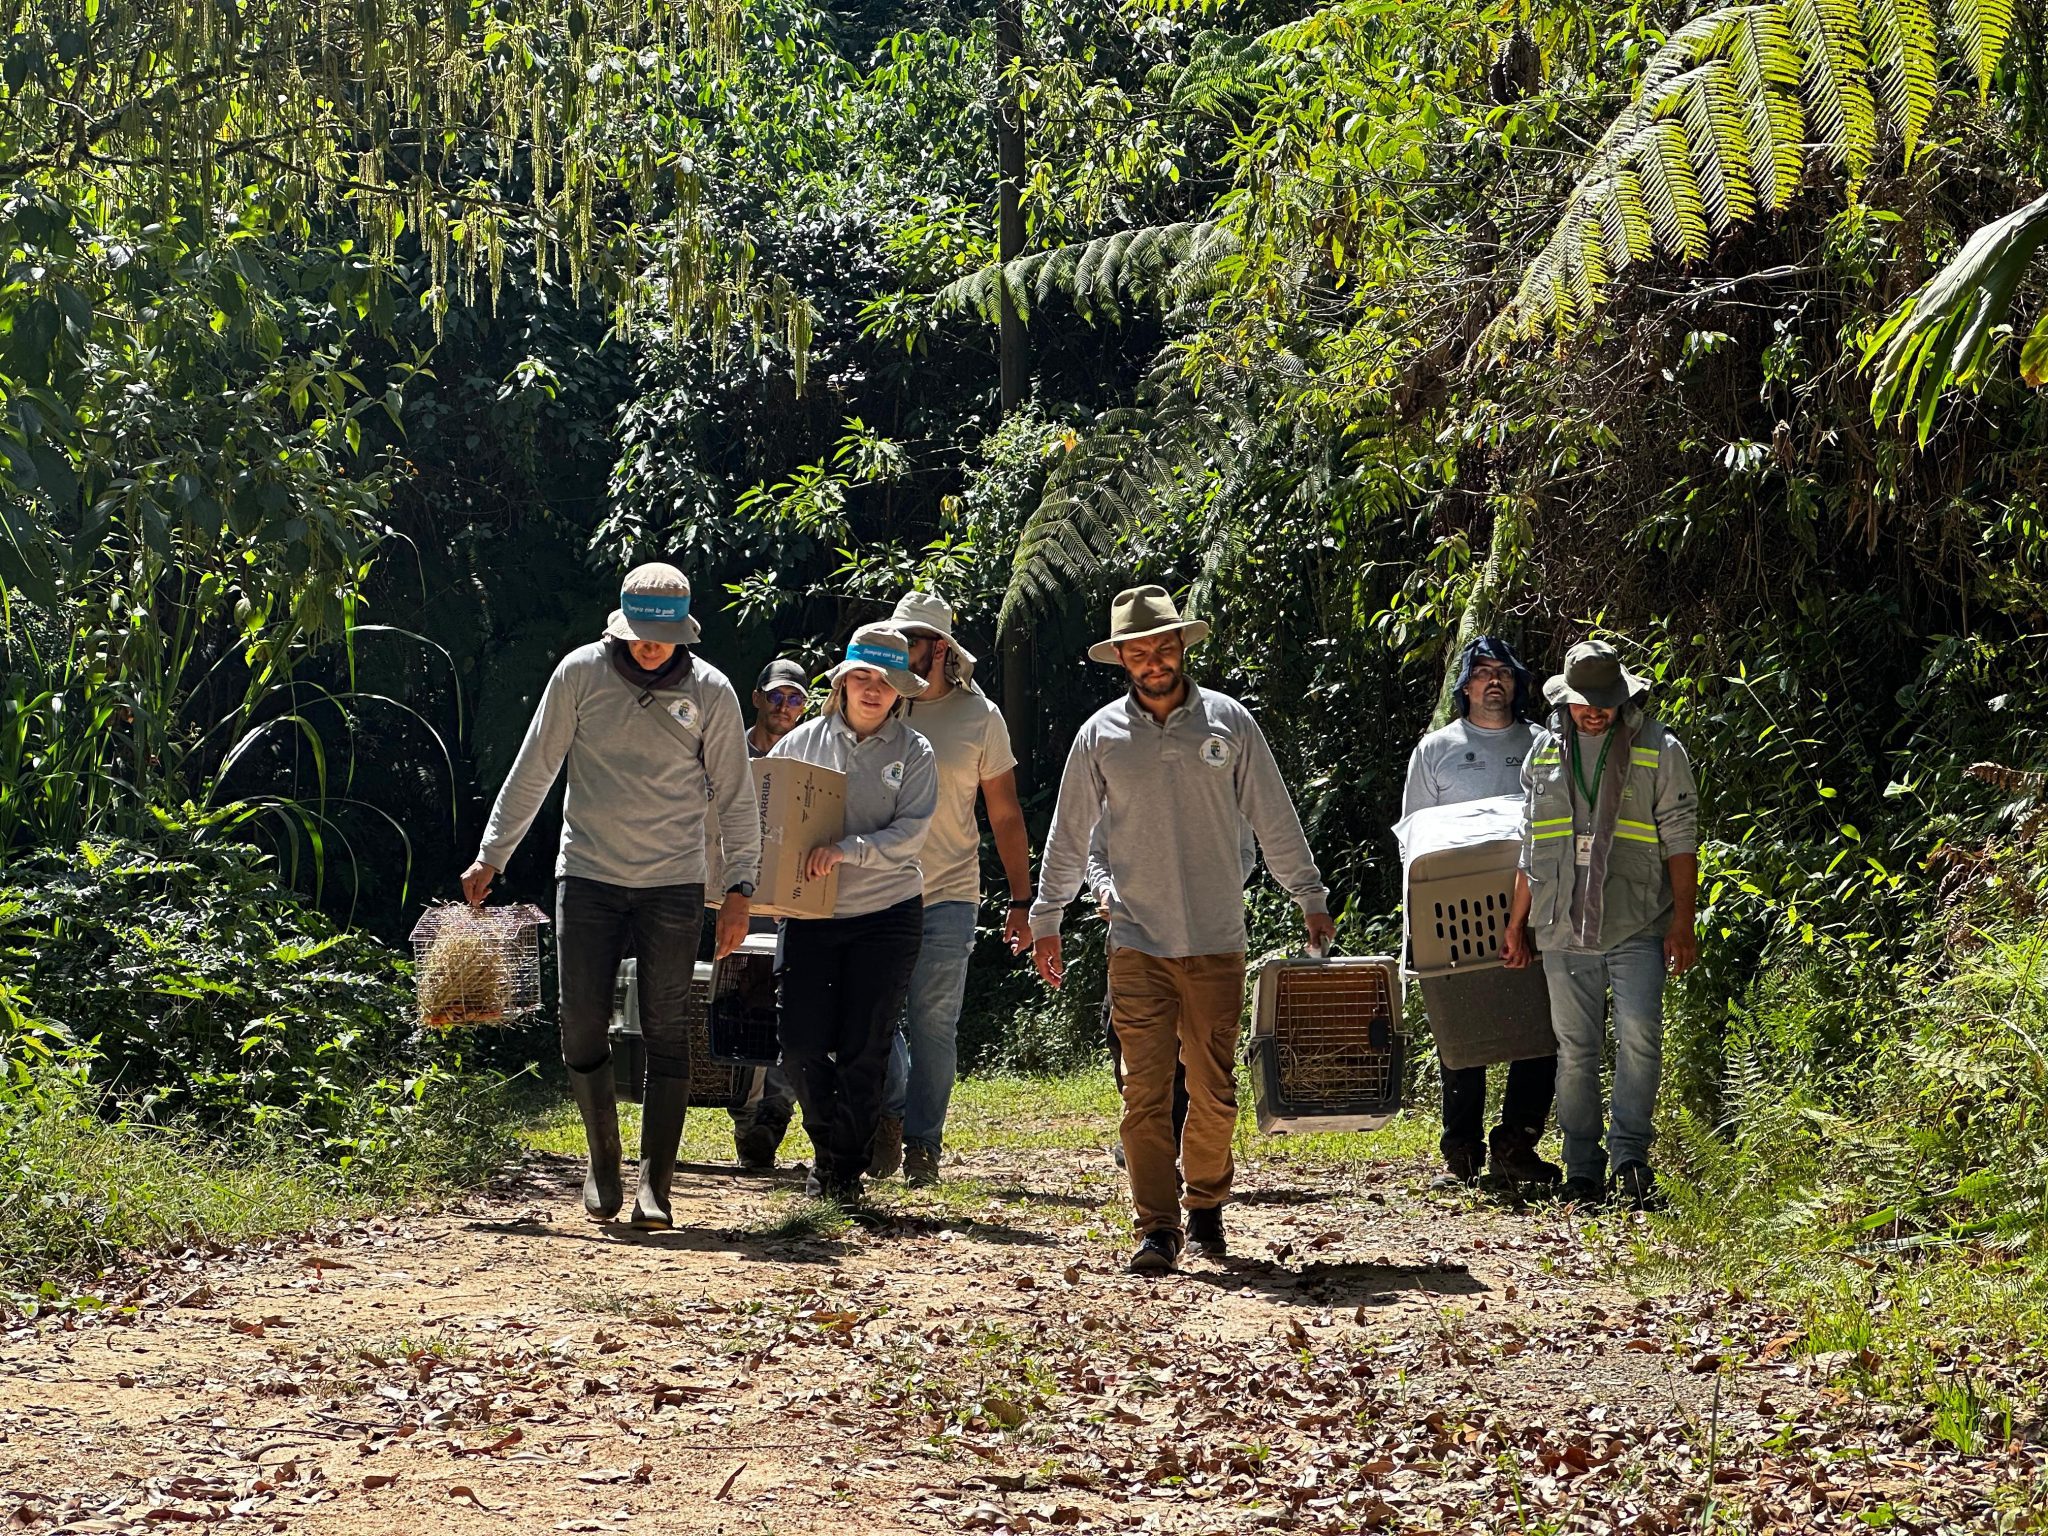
(1013, 350)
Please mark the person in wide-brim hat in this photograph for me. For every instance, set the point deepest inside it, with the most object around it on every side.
(654, 606)
(927, 613)
(1594, 677)
(877, 648)
(1140, 612)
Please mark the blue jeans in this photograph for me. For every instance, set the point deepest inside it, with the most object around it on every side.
(1579, 983)
(925, 1056)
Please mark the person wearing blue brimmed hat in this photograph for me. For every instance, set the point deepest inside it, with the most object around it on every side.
(843, 979)
(653, 744)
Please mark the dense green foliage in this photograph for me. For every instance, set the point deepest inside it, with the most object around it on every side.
(1337, 326)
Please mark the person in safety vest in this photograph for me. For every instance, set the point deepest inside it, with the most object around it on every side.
(1478, 755)
(1609, 876)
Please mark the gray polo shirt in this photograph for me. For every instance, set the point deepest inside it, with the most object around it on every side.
(647, 768)
(892, 789)
(1464, 762)
(1172, 801)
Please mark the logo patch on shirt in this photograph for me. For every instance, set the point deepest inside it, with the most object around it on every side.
(1216, 751)
(893, 775)
(684, 712)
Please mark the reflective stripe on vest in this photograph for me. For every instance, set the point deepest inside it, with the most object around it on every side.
(1636, 831)
(1644, 757)
(1556, 826)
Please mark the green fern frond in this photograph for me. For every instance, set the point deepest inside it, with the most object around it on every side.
(1728, 113)
(1158, 262)
(1900, 34)
(1982, 28)
(1831, 32)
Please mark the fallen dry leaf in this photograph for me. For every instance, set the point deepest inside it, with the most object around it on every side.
(378, 1480)
(725, 1488)
(464, 1491)
(510, 1438)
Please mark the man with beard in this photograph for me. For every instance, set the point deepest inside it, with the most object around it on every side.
(1609, 885)
(1476, 756)
(1170, 771)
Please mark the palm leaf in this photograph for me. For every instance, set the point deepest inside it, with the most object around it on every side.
(1946, 331)
(1982, 28)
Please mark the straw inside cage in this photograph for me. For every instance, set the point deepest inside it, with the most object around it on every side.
(1333, 1036)
(476, 966)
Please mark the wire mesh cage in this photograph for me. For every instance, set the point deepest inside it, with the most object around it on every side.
(1327, 1053)
(476, 965)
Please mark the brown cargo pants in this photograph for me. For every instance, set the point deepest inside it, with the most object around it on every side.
(1165, 1011)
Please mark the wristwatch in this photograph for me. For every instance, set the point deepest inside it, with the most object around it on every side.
(744, 888)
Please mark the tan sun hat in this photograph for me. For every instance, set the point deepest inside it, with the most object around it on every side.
(1139, 612)
(928, 613)
(654, 605)
(1594, 676)
(881, 648)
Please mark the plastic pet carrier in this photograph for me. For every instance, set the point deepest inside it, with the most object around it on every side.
(1326, 1050)
(1460, 863)
(714, 1084)
(742, 1008)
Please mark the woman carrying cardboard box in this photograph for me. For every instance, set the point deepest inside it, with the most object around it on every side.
(844, 978)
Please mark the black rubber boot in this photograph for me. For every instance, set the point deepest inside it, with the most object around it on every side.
(597, 1099)
(1516, 1159)
(661, 1132)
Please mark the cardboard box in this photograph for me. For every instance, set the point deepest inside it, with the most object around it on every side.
(803, 807)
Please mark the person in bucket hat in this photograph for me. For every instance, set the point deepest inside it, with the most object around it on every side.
(1170, 772)
(655, 751)
(1608, 883)
(1478, 755)
(843, 978)
(972, 744)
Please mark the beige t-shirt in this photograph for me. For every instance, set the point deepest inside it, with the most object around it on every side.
(972, 743)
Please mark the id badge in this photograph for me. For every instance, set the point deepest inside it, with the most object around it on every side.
(1582, 848)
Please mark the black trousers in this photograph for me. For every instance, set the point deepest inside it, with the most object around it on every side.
(593, 924)
(1524, 1106)
(842, 982)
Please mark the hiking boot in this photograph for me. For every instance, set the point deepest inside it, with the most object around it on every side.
(597, 1101)
(1158, 1253)
(920, 1166)
(1514, 1157)
(661, 1132)
(1636, 1186)
(1205, 1232)
(757, 1146)
(1585, 1192)
(1463, 1161)
(887, 1154)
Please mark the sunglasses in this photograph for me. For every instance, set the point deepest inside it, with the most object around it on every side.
(785, 698)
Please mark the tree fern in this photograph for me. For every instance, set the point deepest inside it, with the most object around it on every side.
(1160, 262)
(1727, 114)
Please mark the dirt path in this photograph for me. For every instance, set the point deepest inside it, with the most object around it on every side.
(1378, 1357)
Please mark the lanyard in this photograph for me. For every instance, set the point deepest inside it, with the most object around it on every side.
(1599, 770)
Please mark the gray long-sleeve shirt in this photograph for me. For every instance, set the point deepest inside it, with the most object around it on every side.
(892, 789)
(643, 776)
(1464, 762)
(1171, 800)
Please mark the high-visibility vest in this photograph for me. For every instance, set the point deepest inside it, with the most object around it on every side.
(1635, 862)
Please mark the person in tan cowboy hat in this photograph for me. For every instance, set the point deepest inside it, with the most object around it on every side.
(975, 761)
(843, 978)
(1608, 880)
(1170, 772)
(654, 746)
